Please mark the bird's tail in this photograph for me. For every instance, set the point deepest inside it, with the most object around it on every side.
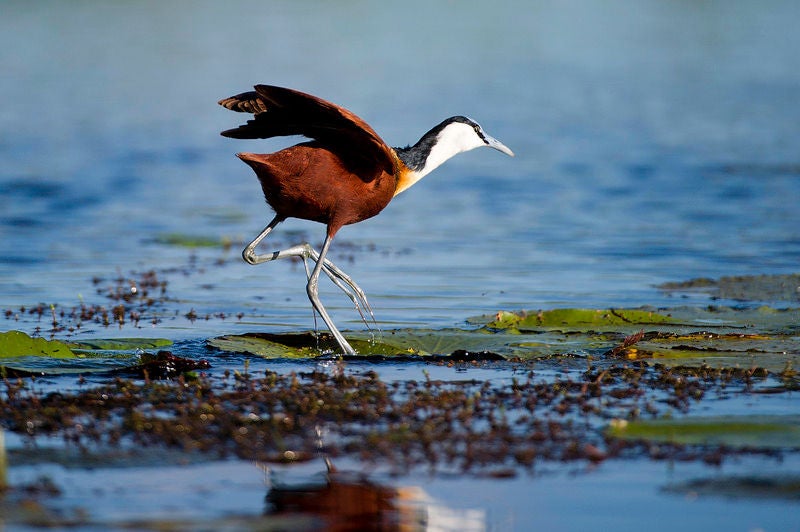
(254, 159)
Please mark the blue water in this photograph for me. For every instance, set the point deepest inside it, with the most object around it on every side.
(655, 140)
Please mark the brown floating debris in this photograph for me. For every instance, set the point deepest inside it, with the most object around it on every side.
(470, 425)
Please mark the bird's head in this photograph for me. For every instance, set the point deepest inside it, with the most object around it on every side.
(455, 135)
(459, 134)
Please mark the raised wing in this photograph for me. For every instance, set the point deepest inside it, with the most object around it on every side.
(282, 112)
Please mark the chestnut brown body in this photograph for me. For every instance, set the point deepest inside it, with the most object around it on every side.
(311, 182)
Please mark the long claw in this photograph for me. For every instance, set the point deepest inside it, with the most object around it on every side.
(353, 297)
(357, 296)
(313, 295)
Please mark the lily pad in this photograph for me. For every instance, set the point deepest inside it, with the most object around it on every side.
(189, 241)
(572, 318)
(389, 344)
(765, 337)
(254, 344)
(444, 341)
(681, 320)
(121, 344)
(762, 432)
(716, 336)
(15, 344)
(771, 352)
(295, 345)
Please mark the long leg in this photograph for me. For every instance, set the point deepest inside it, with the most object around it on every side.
(346, 284)
(313, 295)
(249, 253)
(305, 251)
(341, 279)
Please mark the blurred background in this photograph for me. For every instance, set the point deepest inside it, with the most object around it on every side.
(656, 141)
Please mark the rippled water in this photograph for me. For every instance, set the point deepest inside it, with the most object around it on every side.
(656, 141)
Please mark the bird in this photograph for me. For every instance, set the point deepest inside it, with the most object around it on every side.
(344, 174)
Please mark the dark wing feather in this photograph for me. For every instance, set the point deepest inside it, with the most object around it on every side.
(246, 102)
(283, 112)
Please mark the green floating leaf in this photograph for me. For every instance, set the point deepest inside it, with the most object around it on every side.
(18, 344)
(188, 241)
(222, 215)
(254, 345)
(296, 345)
(441, 341)
(393, 343)
(768, 351)
(579, 318)
(121, 344)
(687, 336)
(763, 432)
(676, 320)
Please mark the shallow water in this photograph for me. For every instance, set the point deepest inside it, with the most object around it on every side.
(655, 142)
(656, 493)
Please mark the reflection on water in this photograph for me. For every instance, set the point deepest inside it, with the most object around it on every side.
(342, 500)
(353, 502)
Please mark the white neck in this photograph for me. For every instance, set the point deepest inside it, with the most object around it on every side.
(453, 139)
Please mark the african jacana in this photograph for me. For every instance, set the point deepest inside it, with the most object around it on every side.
(346, 174)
